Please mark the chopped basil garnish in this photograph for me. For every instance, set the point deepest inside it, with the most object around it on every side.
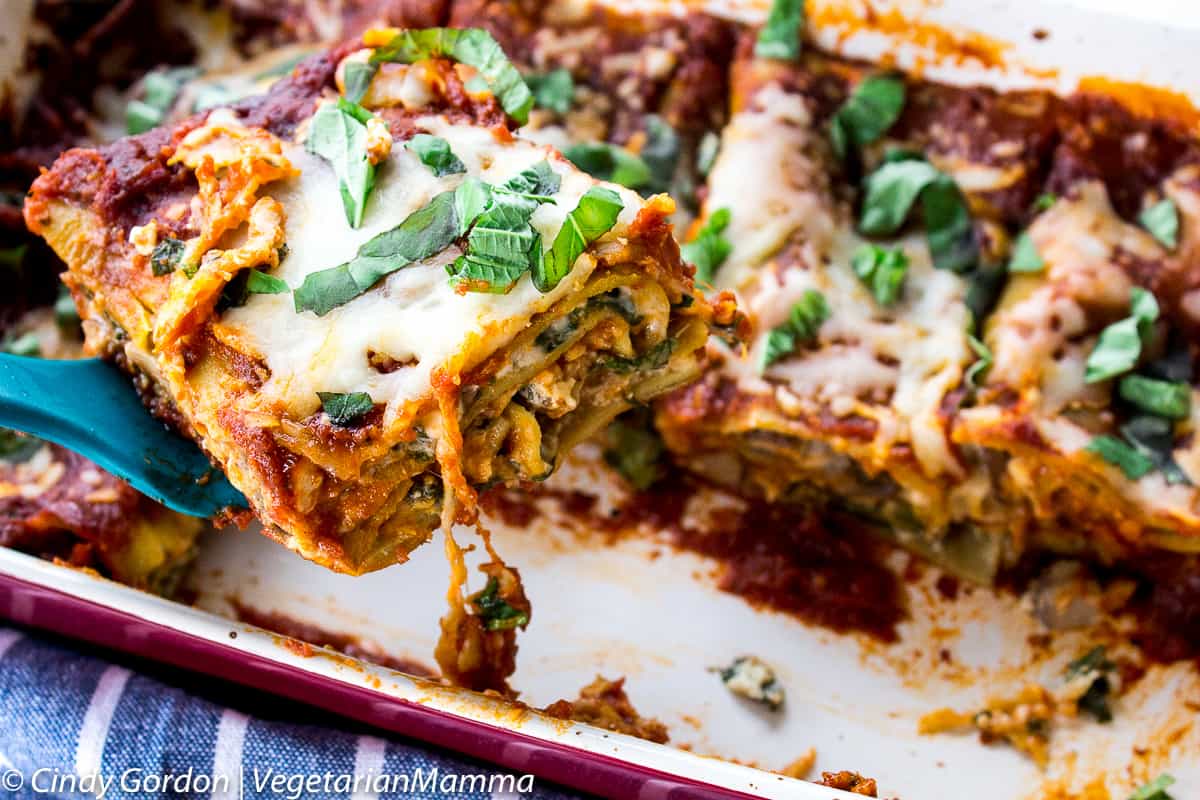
(338, 134)
(894, 188)
(345, 409)
(1025, 257)
(1161, 398)
(246, 283)
(780, 36)
(1121, 454)
(472, 46)
(17, 447)
(609, 162)
(635, 450)
(358, 79)
(1120, 344)
(554, 90)
(871, 109)
(983, 362)
(1155, 789)
(984, 285)
(165, 257)
(425, 232)
(706, 152)
(1044, 201)
(595, 216)
(882, 270)
(496, 613)
(159, 90)
(802, 325)
(709, 249)
(259, 282)
(1162, 221)
(502, 246)
(1154, 438)
(435, 153)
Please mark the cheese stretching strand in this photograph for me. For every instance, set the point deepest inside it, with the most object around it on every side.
(362, 296)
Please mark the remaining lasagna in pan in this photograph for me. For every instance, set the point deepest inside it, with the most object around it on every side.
(365, 298)
(974, 312)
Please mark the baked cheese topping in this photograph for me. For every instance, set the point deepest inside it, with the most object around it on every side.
(893, 365)
(413, 317)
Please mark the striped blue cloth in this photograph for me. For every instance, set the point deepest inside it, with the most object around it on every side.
(72, 725)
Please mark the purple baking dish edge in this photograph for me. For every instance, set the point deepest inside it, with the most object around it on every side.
(40, 606)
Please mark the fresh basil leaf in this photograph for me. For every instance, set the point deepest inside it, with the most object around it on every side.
(27, 344)
(345, 409)
(358, 79)
(867, 114)
(1162, 221)
(802, 325)
(709, 249)
(706, 153)
(475, 273)
(159, 90)
(471, 199)
(1155, 789)
(539, 183)
(1134, 464)
(259, 282)
(1025, 257)
(472, 46)
(501, 247)
(164, 259)
(882, 270)
(338, 134)
(1161, 398)
(948, 228)
(660, 153)
(636, 451)
(424, 233)
(983, 362)
(780, 36)
(984, 285)
(1176, 365)
(1120, 344)
(435, 153)
(891, 192)
(1044, 201)
(1154, 437)
(595, 216)
(17, 447)
(496, 613)
(610, 162)
(554, 90)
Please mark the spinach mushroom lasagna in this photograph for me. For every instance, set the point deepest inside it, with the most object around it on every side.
(365, 298)
(974, 311)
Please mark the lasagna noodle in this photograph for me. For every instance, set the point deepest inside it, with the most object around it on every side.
(469, 389)
(874, 416)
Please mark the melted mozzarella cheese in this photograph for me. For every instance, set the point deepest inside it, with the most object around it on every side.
(892, 364)
(414, 316)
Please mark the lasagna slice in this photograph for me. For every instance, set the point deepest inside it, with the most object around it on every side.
(929, 272)
(365, 298)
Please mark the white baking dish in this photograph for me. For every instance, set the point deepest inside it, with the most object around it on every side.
(616, 610)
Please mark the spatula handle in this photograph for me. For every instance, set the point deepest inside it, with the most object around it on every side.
(89, 407)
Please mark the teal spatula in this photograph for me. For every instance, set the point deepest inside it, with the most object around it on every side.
(91, 408)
